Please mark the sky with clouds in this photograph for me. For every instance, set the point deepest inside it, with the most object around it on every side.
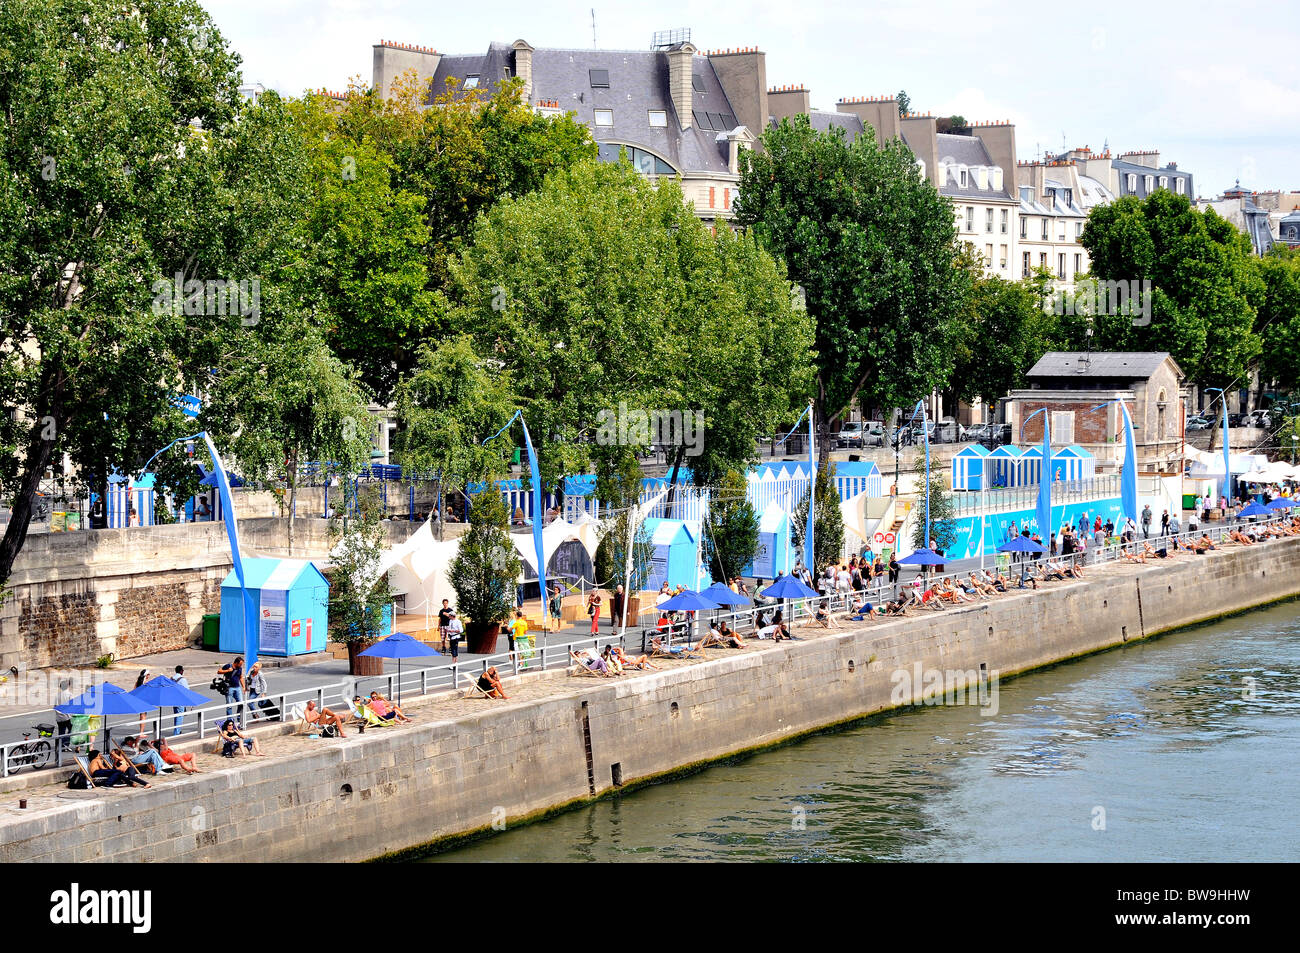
(1214, 87)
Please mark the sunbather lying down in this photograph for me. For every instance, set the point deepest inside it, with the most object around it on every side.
(677, 651)
(640, 662)
(722, 636)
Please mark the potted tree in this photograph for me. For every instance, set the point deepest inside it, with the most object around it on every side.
(485, 573)
(360, 596)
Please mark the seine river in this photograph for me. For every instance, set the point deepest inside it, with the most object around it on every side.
(1184, 748)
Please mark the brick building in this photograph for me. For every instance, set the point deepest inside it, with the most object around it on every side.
(1071, 384)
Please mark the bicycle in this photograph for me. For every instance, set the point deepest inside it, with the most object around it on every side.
(33, 754)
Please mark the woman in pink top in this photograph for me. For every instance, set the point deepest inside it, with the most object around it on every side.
(385, 709)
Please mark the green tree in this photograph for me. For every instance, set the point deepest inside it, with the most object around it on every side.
(943, 528)
(828, 524)
(904, 102)
(603, 297)
(610, 564)
(453, 402)
(485, 571)
(1278, 320)
(873, 246)
(121, 166)
(1206, 288)
(1006, 332)
(359, 590)
(731, 530)
(284, 400)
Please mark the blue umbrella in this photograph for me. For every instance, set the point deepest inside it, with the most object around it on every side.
(788, 587)
(1021, 544)
(1282, 503)
(1252, 509)
(922, 557)
(163, 692)
(723, 596)
(399, 645)
(105, 699)
(689, 601)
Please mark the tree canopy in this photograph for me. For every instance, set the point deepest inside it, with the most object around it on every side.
(873, 246)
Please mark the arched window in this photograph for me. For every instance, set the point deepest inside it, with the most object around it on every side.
(647, 163)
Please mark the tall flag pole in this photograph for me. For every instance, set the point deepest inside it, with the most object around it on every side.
(1128, 476)
(1227, 456)
(925, 432)
(808, 551)
(536, 479)
(1043, 507)
(232, 533)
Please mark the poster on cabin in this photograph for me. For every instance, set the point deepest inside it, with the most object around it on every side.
(272, 616)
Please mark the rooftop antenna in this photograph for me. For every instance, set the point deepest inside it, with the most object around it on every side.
(593, 28)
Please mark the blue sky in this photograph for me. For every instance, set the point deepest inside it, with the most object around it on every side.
(1214, 87)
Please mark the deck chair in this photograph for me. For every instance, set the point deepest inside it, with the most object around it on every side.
(580, 668)
(366, 718)
(474, 691)
(84, 769)
(657, 650)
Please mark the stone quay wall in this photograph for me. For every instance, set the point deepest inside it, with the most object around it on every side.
(372, 795)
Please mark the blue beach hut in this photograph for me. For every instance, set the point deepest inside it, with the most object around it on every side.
(673, 559)
(773, 553)
(968, 468)
(292, 598)
(1073, 463)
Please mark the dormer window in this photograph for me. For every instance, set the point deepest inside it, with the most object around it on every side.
(1133, 182)
(1179, 186)
(963, 179)
(599, 78)
(1164, 181)
(1149, 181)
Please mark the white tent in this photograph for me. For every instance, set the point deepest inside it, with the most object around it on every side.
(557, 532)
(853, 512)
(418, 567)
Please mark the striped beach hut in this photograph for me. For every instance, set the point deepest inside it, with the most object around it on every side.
(968, 468)
(856, 476)
(1073, 463)
(1002, 467)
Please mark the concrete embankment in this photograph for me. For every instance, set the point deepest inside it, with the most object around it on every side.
(366, 796)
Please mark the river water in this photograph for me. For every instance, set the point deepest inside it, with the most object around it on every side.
(1184, 748)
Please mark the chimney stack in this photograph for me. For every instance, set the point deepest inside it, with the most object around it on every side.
(679, 81)
(524, 67)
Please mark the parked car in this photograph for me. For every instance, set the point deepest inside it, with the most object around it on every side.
(1236, 420)
(1198, 423)
(850, 435)
(874, 434)
(1260, 418)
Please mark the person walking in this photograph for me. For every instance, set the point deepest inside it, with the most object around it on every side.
(256, 688)
(616, 611)
(593, 610)
(1146, 522)
(236, 686)
(179, 713)
(1164, 523)
(444, 614)
(455, 629)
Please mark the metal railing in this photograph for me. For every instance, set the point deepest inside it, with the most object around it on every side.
(975, 502)
(204, 721)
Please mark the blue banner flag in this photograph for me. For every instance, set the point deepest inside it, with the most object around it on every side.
(1227, 456)
(232, 533)
(812, 485)
(1128, 485)
(1043, 506)
(536, 480)
(925, 432)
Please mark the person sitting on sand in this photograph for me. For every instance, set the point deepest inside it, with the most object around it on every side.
(324, 718)
(980, 585)
(489, 684)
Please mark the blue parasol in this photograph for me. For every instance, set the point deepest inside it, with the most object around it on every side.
(398, 646)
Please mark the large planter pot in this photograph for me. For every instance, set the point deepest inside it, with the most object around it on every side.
(633, 608)
(482, 639)
(363, 664)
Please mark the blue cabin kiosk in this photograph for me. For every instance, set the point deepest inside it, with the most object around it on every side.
(968, 468)
(292, 599)
(673, 559)
(773, 553)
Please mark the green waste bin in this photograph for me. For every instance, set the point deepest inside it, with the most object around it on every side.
(212, 631)
(514, 457)
(1189, 500)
